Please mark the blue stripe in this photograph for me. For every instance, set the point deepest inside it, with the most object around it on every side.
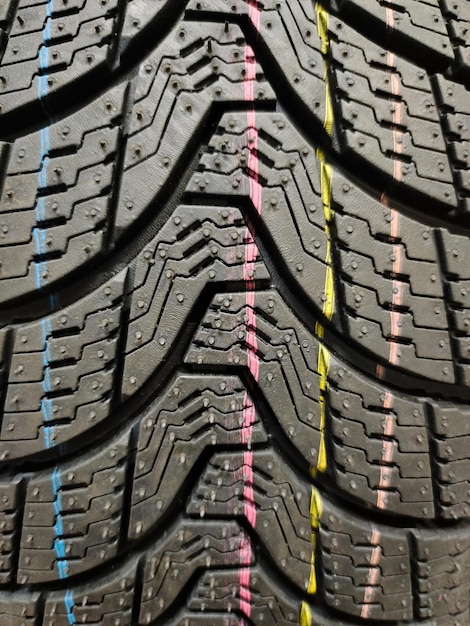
(41, 247)
(69, 604)
(59, 543)
(46, 403)
(43, 89)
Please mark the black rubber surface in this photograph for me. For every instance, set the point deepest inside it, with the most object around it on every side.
(234, 313)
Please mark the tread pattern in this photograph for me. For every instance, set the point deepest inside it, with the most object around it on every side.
(8, 528)
(234, 317)
(67, 178)
(392, 463)
(268, 607)
(374, 567)
(286, 370)
(205, 244)
(388, 114)
(111, 600)
(175, 94)
(282, 519)
(61, 373)
(194, 415)
(418, 29)
(55, 198)
(394, 298)
(72, 518)
(51, 44)
(404, 147)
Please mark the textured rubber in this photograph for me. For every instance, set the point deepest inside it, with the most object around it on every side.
(235, 312)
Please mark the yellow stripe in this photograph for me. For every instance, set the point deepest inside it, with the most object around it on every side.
(322, 26)
(328, 309)
(315, 514)
(305, 615)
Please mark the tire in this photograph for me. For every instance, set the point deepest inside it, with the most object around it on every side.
(235, 312)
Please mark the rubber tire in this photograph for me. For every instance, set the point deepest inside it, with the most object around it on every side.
(235, 312)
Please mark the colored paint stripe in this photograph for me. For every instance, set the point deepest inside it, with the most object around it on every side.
(385, 476)
(46, 403)
(59, 544)
(40, 243)
(251, 254)
(306, 618)
(69, 605)
(39, 235)
(328, 307)
(328, 310)
(373, 575)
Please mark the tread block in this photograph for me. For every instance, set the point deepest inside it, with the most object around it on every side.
(103, 603)
(72, 516)
(413, 290)
(45, 52)
(380, 445)
(455, 252)
(453, 100)
(175, 93)
(281, 503)
(442, 588)
(290, 188)
(223, 591)
(412, 451)
(193, 546)
(61, 373)
(195, 413)
(451, 429)
(377, 572)
(415, 28)
(394, 297)
(55, 202)
(388, 115)
(367, 571)
(297, 57)
(19, 608)
(10, 504)
(459, 29)
(198, 246)
(287, 360)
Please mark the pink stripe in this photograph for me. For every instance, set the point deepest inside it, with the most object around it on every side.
(393, 357)
(397, 285)
(385, 477)
(254, 14)
(248, 495)
(373, 574)
(387, 455)
(251, 255)
(397, 134)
